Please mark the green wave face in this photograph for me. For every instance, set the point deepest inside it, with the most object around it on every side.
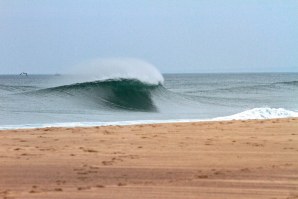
(116, 94)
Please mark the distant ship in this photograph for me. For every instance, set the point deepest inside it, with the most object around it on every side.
(23, 73)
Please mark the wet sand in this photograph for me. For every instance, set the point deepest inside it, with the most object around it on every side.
(232, 159)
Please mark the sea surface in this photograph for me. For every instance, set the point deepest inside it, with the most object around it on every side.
(69, 100)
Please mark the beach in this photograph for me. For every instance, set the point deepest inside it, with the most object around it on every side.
(223, 159)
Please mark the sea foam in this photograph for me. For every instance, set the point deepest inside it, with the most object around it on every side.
(252, 114)
(261, 113)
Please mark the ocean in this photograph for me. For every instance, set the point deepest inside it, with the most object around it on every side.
(71, 100)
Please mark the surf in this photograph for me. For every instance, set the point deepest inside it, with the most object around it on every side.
(117, 84)
(251, 114)
(261, 113)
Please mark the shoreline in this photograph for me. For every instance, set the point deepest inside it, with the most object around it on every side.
(123, 123)
(218, 159)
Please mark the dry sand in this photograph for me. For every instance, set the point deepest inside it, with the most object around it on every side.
(233, 159)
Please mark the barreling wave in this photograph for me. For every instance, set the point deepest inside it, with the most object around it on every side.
(126, 94)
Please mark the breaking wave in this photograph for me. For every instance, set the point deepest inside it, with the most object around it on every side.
(126, 94)
(261, 113)
(125, 83)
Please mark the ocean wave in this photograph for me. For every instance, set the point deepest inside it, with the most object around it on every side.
(261, 113)
(249, 88)
(126, 94)
(294, 83)
(122, 84)
(14, 88)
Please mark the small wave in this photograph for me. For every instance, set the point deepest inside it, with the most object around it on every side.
(249, 88)
(292, 83)
(12, 88)
(261, 113)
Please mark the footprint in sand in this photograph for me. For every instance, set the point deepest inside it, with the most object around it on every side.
(218, 173)
(106, 132)
(83, 188)
(4, 193)
(245, 170)
(33, 191)
(59, 182)
(82, 173)
(107, 163)
(88, 150)
(121, 184)
(202, 176)
(94, 167)
(82, 178)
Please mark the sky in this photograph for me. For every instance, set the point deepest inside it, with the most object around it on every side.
(177, 36)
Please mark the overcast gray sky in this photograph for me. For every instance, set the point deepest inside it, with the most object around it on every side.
(50, 36)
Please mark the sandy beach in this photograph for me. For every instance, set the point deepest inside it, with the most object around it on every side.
(231, 159)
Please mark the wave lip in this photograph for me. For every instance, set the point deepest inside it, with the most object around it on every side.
(119, 68)
(261, 113)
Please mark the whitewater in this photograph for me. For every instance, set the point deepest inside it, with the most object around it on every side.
(129, 91)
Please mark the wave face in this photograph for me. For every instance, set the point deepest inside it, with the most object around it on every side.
(105, 84)
(126, 94)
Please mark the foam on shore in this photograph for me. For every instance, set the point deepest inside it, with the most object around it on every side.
(252, 114)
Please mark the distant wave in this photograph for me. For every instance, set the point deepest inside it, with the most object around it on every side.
(261, 113)
(251, 88)
(294, 83)
(14, 88)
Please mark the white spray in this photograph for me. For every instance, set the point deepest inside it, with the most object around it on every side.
(118, 68)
